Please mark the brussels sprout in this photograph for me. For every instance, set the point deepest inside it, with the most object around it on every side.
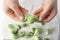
(15, 36)
(31, 19)
(48, 31)
(18, 27)
(37, 38)
(23, 24)
(11, 26)
(28, 35)
(46, 38)
(38, 31)
(22, 34)
(14, 31)
(33, 30)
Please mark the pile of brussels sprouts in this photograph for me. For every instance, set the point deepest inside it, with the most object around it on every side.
(31, 19)
(33, 32)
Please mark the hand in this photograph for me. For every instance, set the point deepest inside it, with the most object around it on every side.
(14, 10)
(47, 11)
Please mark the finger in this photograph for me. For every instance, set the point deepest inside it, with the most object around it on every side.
(25, 11)
(51, 16)
(13, 16)
(17, 11)
(45, 11)
(10, 13)
(37, 12)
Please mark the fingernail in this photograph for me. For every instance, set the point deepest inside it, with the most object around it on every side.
(40, 19)
(21, 18)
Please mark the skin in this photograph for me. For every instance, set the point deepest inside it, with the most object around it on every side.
(47, 11)
(14, 10)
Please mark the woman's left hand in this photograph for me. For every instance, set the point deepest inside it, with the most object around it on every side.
(47, 11)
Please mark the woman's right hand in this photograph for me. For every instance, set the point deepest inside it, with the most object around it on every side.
(14, 10)
(47, 11)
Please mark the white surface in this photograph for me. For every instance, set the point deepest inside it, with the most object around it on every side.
(4, 20)
(31, 5)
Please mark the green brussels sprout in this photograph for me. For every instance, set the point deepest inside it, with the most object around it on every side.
(23, 24)
(14, 31)
(18, 27)
(48, 31)
(37, 38)
(28, 35)
(22, 34)
(15, 36)
(31, 19)
(33, 30)
(46, 38)
(11, 26)
(38, 31)
(36, 18)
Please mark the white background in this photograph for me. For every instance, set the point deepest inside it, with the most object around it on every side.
(1, 5)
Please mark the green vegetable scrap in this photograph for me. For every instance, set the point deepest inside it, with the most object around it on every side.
(22, 34)
(48, 31)
(28, 35)
(37, 38)
(46, 38)
(38, 31)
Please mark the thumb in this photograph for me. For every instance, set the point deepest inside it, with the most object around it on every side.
(45, 12)
(43, 15)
